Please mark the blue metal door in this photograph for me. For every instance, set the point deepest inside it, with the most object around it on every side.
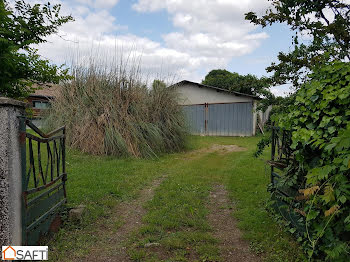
(232, 119)
(195, 115)
(235, 119)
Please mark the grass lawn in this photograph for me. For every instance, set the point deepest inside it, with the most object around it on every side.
(177, 215)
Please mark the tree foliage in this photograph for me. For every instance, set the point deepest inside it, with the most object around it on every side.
(158, 84)
(326, 22)
(21, 27)
(247, 84)
(320, 123)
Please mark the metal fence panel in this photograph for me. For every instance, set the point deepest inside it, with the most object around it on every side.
(195, 115)
(234, 119)
(43, 180)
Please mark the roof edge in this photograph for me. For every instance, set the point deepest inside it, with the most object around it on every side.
(216, 88)
(41, 96)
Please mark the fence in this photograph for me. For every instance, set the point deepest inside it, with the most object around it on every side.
(284, 196)
(32, 177)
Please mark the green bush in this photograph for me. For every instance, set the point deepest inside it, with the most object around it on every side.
(320, 123)
(112, 112)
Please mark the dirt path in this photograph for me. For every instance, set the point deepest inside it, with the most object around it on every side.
(128, 215)
(233, 248)
(220, 149)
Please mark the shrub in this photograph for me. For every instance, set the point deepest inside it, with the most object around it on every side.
(112, 112)
(320, 123)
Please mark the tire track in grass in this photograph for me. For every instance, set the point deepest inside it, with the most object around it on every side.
(127, 217)
(232, 247)
(176, 224)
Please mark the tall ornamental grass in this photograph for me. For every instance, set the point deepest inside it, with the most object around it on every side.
(112, 112)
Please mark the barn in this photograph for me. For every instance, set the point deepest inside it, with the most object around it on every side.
(213, 111)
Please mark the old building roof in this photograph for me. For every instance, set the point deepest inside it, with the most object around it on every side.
(47, 90)
(216, 88)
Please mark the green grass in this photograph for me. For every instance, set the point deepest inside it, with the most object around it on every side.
(177, 215)
(99, 183)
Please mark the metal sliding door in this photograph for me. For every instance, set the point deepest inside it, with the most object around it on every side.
(195, 115)
(233, 119)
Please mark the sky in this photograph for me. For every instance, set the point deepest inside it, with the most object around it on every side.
(184, 39)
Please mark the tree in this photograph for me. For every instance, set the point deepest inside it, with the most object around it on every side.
(158, 84)
(327, 22)
(247, 84)
(21, 27)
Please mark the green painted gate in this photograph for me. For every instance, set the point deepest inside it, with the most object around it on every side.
(43, 179)
(283, 196)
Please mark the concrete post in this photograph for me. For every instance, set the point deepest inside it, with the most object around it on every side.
(10, 172)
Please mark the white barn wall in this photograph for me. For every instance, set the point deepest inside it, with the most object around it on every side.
(193, 95)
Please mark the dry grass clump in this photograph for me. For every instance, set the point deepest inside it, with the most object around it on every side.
(112, 112)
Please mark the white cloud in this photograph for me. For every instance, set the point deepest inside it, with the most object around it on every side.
(99, 3)
(208, 34)
(105, 3)
(213, 29)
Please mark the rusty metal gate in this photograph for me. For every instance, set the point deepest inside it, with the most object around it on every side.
(227, 119)
(43, 179)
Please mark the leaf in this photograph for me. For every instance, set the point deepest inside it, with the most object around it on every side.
(309, 191)
(314, 98)
(312, 214)
(319, 173)
(332, 129)
(342, 199)
(328, 195)
(329, 147)
(347, 220)
(331, 211)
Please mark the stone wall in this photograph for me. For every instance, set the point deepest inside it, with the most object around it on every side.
(10, 172)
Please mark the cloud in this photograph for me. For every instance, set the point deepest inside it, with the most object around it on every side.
(99, 3)
(207, 35)
(215, 30)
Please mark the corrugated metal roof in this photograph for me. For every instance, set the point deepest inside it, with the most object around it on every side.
(183, 82)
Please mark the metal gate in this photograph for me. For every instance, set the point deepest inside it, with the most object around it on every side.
(284, 197)
(231, 119)
(43, 179)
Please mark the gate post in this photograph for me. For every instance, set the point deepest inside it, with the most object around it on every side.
(10, 171)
